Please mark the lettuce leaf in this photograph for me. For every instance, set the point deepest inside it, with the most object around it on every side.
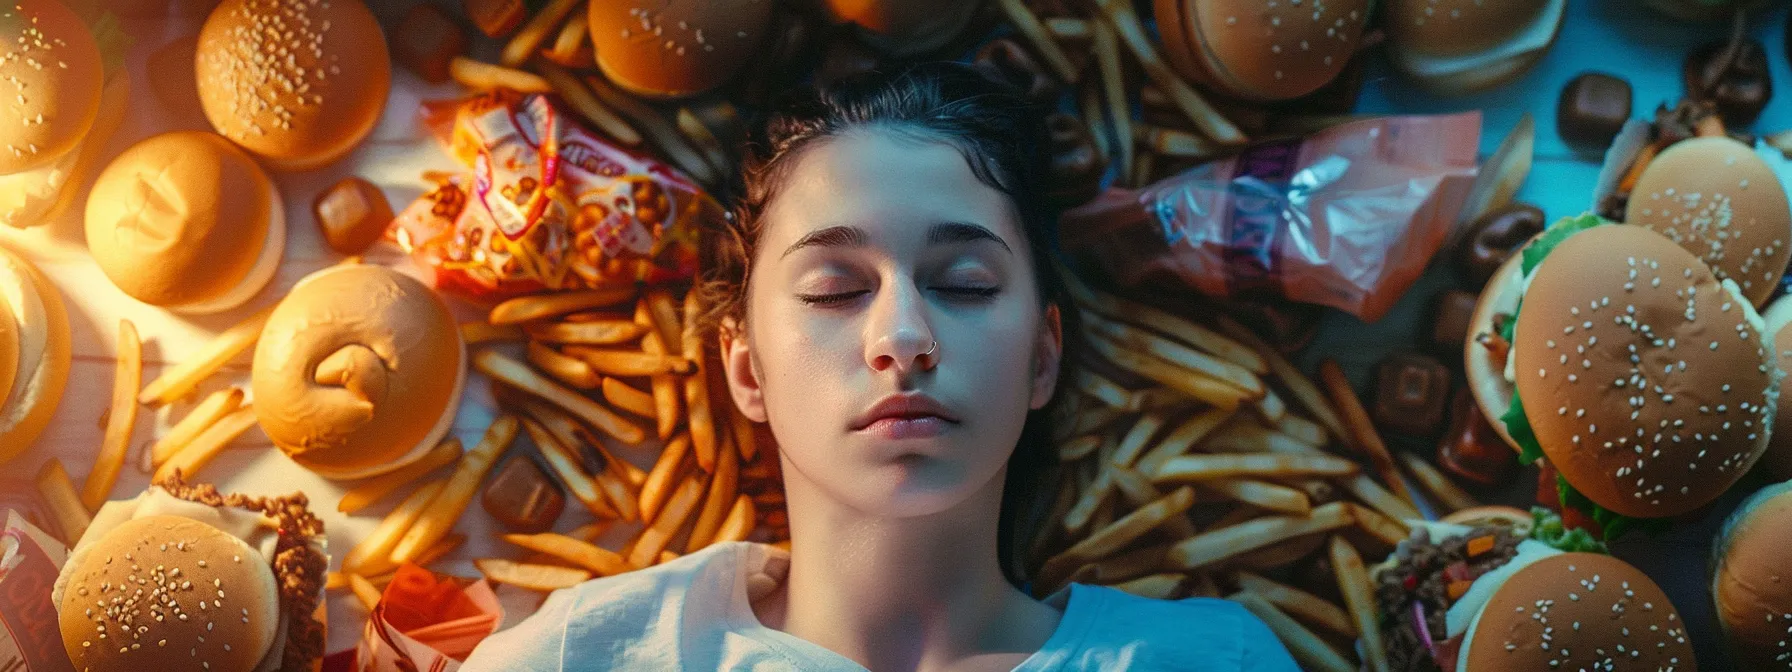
(1547, 527)
(1529, 449)
(1614, 525)
(1553, 236)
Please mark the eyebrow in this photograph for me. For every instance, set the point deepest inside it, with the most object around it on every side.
(943, 233)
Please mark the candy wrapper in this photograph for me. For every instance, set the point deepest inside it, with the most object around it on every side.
(546, 205)
(30, 634)
(427, 621)
(1347, 217)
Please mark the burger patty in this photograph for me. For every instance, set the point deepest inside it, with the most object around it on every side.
(1426, 561)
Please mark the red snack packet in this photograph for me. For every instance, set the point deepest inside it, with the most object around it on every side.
(427, 621)
(1347, 217)
(547, 205)
(30, 634)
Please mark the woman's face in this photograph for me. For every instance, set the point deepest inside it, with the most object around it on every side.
(877, 246)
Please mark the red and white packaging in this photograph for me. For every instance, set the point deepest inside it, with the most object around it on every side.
(427, 622)
(30, 629)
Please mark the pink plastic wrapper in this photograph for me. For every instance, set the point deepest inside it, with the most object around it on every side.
(546, 205)
(30, 635)
(1347, 217)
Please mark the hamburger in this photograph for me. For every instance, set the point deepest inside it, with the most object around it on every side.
(1750, 587)
(182, 577)
(187, 221)
(34, 353)
(1481, 596)
(297, 83)
(64, 78)
(1719, 200)
(1254, 52)
(358, 371)
(676, 48)
(1461, 46)
(1778, 459)
(1643, 378)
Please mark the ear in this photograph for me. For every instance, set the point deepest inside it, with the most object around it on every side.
(743, 379)
(1047, 353)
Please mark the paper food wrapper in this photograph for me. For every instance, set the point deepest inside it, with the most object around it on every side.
(30, 629)
(427, 622)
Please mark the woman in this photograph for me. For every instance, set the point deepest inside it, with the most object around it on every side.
(888, 305)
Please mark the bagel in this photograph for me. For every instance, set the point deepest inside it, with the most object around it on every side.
(34, 353)
(358, 371)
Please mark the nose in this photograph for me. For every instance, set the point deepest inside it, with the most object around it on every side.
(897, 333)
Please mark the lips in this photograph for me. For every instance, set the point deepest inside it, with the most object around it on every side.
(905, 412)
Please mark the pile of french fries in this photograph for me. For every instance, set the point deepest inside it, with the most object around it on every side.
(1197, 461)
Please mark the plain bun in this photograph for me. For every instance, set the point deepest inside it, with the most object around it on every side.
(187, 221)
(1486, 373)
(676, 48)
(1571, 611)
(358, 371)
(1718, 199)
(37, 331)
(1750, 585)
(299, 84)
(50, 78)
(1253, 52)
(1463, 46)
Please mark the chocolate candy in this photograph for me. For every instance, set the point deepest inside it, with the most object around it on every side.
(522, 497)
(425, 41)
(1734, 77)
(496, 18)
(1411, 392)
(1076, 167)
(1493, 238)
(1592, 109)
(1472, 450)
(1451, 315)
(352, 214)
(1010, 63)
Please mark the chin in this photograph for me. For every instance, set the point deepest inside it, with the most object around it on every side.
(913, 486)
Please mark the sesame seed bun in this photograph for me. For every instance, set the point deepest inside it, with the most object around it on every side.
(299, 84)
(187, 221)
(1718, 199)
(36, 332)
(40, 195)
(358, 371)
(178, 563)
(1750, 584)
(1259, 53)
(1486, 373)
(676, 48)
(1574, 611)
(50, 78)
(1778, 458)
(1646, 380)
(1462, 46)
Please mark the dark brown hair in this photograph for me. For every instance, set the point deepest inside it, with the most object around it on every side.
(1002, 138)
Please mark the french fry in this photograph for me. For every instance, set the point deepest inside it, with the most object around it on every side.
(1306, 393)
(628, 363)
(565, 460)
(1362, 432)
(1199, 386)
(724, 485)
(665, 557)
(1119, 13)
(1155, 586)
(569, 370)
(335, 581)
(1183, 437)
(662, 314)
(367, 492)
(543, 306)
(1182, 356)
(705, 140)
(58, 492)
(739, 523)
(1103, 389)
(447, 545)
(1262, 494)
(207, 445)
(1378, 498)
(179, 380)
(1359, 598)
(567, 430)
(480, 333)
(1197, 468)
(626, 398)
(1027, 23)
(1068, 28)
(596, 332)
(1109, 306)
(535, 30)
(1307, 648)
(1218, 544)
(1136, 439)
(1301, 429)
(745, 439)
(1115, 536)
(1271, 408)
(660, 532)
(441, 514)
(127, 377)
(572, 35)
(1381, 527)
(1171, 142)
(1112, 80)
(579, 484)
(364, 590)
(696, 388)
(1299, 603)
(1079, 448)
(654, 126)
(482, 76)
(1095, 117)
(1449, 496)
(666, 389)
(207, 413)
(665, 474)
(1139, 492)
(1124, 566)
(518, 375)
(544, 578)
(600, 561)
(371, 555)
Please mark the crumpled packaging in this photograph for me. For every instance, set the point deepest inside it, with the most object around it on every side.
(427, 621)
(30, 629)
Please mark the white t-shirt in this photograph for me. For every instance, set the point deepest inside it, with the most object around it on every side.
(694, 613)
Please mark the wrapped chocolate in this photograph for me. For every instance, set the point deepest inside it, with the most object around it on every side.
(547, 205)
(427, 621)
(1347, 217)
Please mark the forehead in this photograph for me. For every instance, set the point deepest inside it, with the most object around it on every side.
(888, 184)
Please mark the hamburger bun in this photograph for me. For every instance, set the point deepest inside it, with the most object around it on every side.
(1778, 458)
(1646, 380)
(1518, 521)
(1462, 46)
(299, 84)
(1250, 51)
(187, 221)
(1571, 611)
(34, 329)
(1750, 585)
(187, 561)
(51, 78)
(904, 27)
(1486, 371)
(1719, 200)
(676, 48)
(358, 371)
(40, 195)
